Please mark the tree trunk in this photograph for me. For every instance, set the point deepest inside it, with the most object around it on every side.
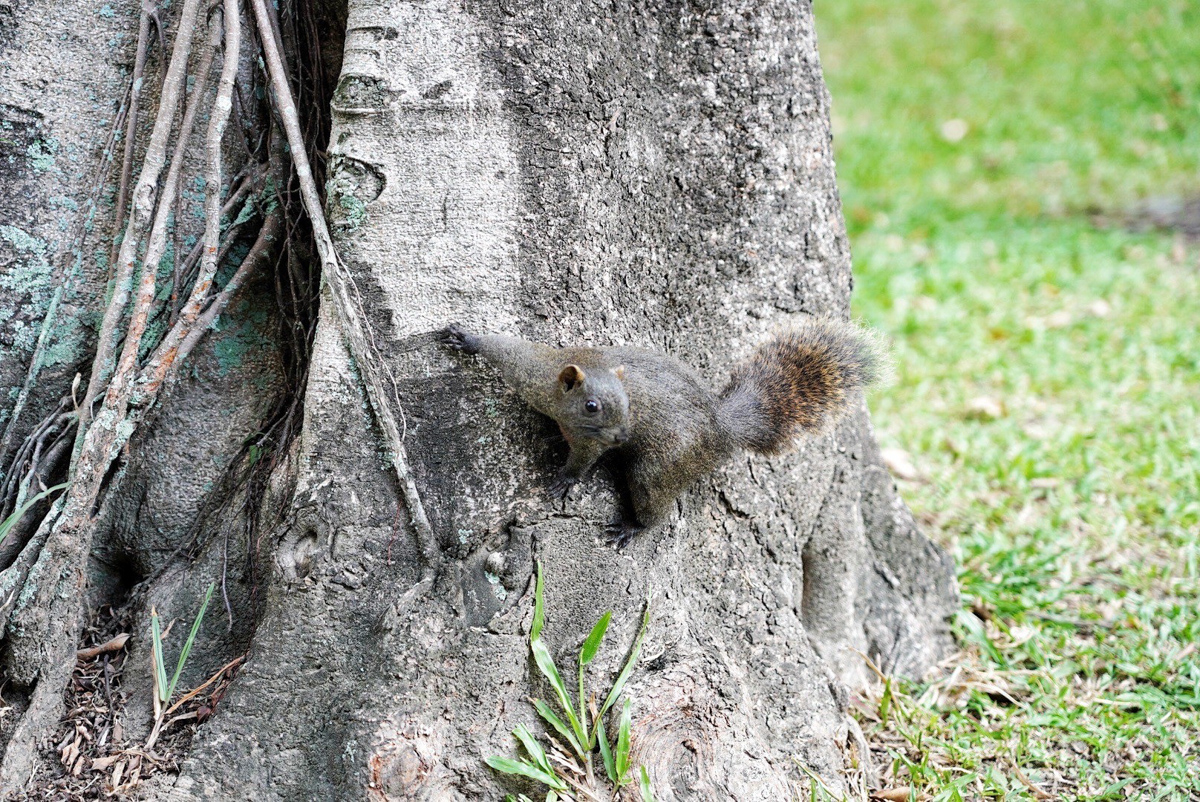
(657, 175)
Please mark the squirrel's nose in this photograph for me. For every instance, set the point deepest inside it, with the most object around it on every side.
(622, 435)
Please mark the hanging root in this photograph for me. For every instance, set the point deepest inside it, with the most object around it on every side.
(348, 304)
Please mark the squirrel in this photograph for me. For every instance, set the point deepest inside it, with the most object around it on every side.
(668, 426)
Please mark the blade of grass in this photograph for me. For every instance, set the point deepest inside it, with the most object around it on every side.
(545, 663)
(621, 758)
(539, 613)
(647, 794)
(523, 769)
(534, 748)
(610, 768)
(586, 654)
(623, 677)
(16, 515)
(187, 645)
(592, 644)
(156, 649)
(554, 721)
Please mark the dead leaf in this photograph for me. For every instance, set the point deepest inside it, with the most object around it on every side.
(111, 645)
(900, 794)
(984, 408)
(900, 464)
(102, 763)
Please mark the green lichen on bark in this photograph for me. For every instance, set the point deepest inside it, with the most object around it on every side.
(26, 285)
(42, 154)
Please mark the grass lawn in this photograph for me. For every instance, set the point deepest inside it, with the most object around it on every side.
(1048, 377)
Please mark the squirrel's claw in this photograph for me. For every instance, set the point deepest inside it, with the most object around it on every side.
(621, 531)
(454, 337)
(562, 485)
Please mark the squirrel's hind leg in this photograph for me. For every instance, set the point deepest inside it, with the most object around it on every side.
(621, 530)
(652, 495)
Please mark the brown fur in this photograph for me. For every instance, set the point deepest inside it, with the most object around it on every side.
(800, 382)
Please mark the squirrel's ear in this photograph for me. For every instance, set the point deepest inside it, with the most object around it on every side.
(619, 372)
(570, 376)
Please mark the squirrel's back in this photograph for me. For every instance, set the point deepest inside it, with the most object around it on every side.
(802, 381)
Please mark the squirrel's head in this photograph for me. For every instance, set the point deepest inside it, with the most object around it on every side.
(594, 403)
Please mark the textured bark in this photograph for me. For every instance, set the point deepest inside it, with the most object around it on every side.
(645, 174)
(53, 130)
(639, 174)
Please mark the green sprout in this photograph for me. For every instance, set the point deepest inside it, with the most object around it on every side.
(164, 690)
(583, 731)
(8, 523)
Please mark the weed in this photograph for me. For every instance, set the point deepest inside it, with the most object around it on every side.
(16, 515)
(568, 772)
(164, 690)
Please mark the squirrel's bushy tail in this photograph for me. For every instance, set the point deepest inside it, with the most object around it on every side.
(803, 381)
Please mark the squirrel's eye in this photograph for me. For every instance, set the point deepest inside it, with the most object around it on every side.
(592, 405)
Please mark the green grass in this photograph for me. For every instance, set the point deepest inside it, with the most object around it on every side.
(1048, 376)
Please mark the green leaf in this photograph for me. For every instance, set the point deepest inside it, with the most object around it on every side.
(17, 514)
(885, 701)
(156, 650)
(187, 645)
(592, 644)
(606, 752)
(583, 716)
(545, 663)
(622, 756)
(647, 794)
(975, 632)
(534, 748)
(623, 677)
(539, 616)
(554, 721)
(523, 769)
(586, 654)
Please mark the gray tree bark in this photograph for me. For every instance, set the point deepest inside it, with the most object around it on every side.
(650, 174)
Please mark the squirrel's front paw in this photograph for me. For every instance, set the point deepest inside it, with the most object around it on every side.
(454, 337)
(621, 531)
(561, 485)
